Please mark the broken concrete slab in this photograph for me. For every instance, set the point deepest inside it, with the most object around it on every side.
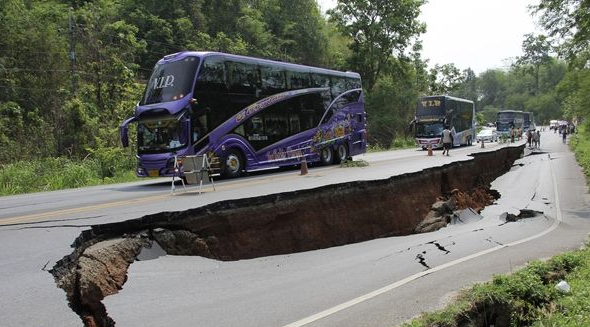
(274, 224)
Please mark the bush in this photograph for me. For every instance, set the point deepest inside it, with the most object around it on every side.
(528, 297)
(580, 144)
(61, 173)
(403, 142)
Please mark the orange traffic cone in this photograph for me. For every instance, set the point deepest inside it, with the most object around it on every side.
(429, 149)
(304, 167)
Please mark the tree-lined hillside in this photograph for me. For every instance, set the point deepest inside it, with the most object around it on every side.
(72, 71)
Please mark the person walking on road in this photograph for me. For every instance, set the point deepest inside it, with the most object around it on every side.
(447, 140)
(538, 139)
(564, 135)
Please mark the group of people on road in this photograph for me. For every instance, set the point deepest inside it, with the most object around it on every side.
(534, 139)
(515, 133)
(564, 130)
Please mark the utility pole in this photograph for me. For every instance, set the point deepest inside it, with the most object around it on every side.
(72, 53)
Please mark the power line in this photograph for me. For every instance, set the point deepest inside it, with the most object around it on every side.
(31, 88)
(170, 45)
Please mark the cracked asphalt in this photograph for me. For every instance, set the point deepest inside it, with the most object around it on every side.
(375, 283)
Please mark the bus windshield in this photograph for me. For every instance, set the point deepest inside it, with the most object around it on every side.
(170, 81)
(159, 135)
(433, 129)
(503, 126)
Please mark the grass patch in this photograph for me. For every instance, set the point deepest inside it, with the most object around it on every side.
(403, 143)
(527, 297)
(355, 163)
(52, 174)
(398, 143)
(580, 144)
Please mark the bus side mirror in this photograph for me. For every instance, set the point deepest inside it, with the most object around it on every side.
(124, 131)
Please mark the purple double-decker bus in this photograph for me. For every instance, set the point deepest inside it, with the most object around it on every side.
(247, 113)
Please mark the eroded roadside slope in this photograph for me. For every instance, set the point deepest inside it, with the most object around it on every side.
(282, 223)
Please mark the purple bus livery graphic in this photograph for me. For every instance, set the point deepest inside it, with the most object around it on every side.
(248, 113)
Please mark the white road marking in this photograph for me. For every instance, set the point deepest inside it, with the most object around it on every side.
(408, 279)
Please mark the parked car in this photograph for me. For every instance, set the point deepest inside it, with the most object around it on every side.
(487, 135)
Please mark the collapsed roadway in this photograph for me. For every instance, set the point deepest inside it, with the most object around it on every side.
(279, 224)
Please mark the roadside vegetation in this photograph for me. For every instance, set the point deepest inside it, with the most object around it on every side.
(404, 142)
(49, 174)
(528, 297)
(97, 57)
(355, 163)
(580, 144)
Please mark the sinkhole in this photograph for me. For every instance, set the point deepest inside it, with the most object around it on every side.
(283, 223)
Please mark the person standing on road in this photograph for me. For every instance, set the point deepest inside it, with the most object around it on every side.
(538, 139)
(564, 135)
(529, 137)
(447, 140)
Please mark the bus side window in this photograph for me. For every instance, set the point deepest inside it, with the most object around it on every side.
(456, 116)
(243, 77)
(212, 76)
(313, 107)
(338, 86)
(294, 124)
(273, 79)
(319, 80)
(353, 83)
(297, 80)
(292, 108)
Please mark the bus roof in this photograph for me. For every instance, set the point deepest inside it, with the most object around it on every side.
(508, 111)
(205, 54)
(446, 97)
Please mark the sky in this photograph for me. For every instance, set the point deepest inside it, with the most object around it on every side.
(476, 34)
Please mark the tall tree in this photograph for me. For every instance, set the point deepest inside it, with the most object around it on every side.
(536, 53)
(568, 23)
(445, 79)
(34, 75)
(492, 85)
(468, 88)
(379, 30)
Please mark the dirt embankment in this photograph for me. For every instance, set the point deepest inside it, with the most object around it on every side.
(282, 223)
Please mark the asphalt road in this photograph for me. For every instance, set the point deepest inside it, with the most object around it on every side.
(375, 283)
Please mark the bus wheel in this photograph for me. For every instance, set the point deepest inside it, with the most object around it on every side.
(326, 156)
(341, 153)
(233, 164)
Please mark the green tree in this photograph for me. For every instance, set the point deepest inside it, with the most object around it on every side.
(574, 90)
(468, 88)
(536, 53)
(489, 113)
(298, 30)
(337, 50)
(568, 24)
(445, 79)
(391, 105)
(380, 29)
(492, 85)
(33, 73)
